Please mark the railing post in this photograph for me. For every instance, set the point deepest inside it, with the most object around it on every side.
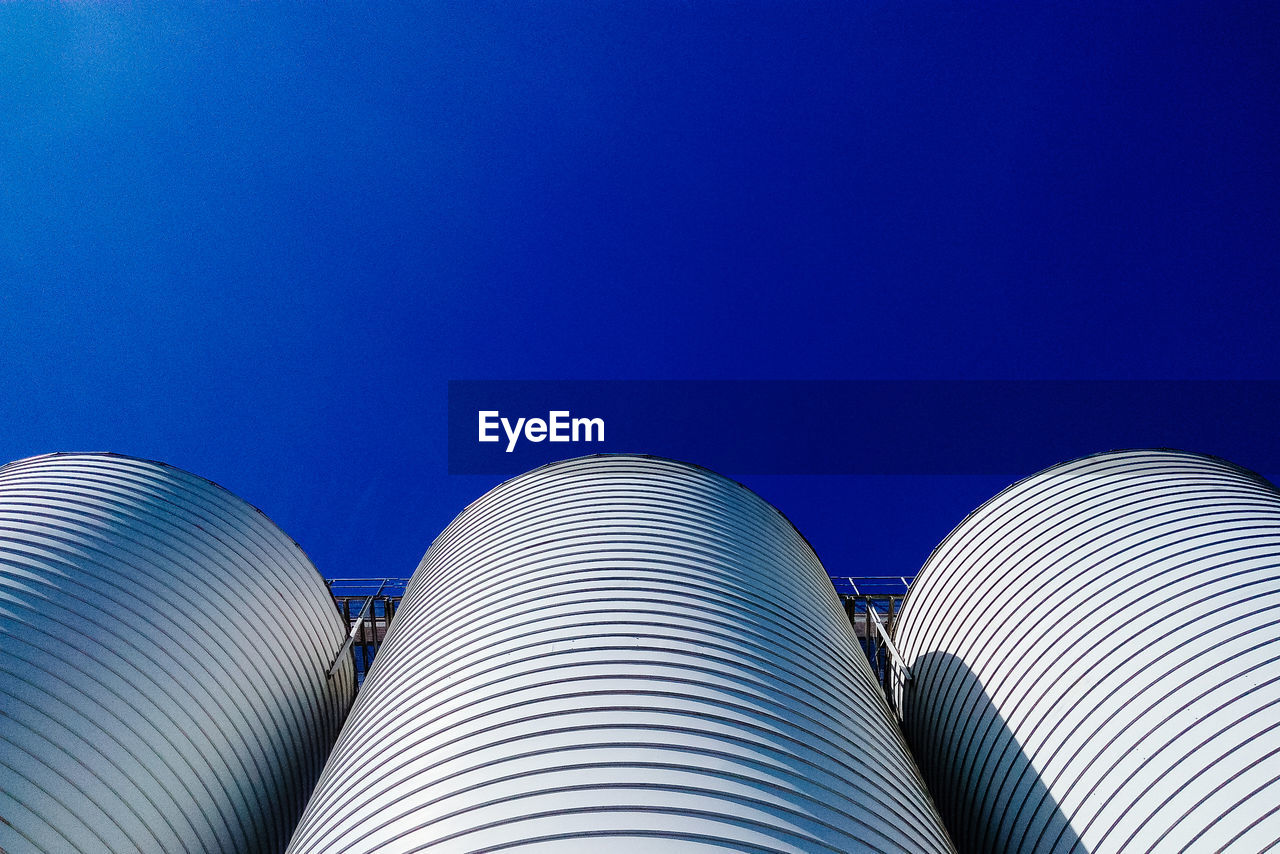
(351, 636)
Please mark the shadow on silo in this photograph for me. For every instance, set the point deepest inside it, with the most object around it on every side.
(991, 797)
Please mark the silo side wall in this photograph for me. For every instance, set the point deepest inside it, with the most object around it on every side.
(162, 687)
(616, 654)
(1096, 654)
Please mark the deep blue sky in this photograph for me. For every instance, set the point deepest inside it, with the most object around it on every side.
(256, 240)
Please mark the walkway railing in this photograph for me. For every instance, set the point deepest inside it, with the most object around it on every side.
(873, 616)
(871, 603)
(377, 600)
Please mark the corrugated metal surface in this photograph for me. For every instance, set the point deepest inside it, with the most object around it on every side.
(620, 653)
(140, 710)
(1096, 654)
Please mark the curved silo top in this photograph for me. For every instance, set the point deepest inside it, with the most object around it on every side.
(620, 653)
(145, 704)
(1096, 654)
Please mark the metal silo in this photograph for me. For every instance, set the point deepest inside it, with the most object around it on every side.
(145, 705)
(620, 653)
(1096, 661)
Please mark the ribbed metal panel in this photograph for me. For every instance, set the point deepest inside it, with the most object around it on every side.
(1096, 654)
(620, 653)
(142, 708)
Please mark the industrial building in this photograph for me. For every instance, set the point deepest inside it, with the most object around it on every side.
(1095, 656)
(138, 710)
(628, 653)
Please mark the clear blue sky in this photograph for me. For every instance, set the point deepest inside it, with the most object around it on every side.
(256, 241)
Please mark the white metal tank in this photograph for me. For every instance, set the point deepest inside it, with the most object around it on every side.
(1096, 654)
(163, 680)
(620, 654)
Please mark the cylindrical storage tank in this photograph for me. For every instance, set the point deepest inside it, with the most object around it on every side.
(620, 654)
(163, 684)
(1096, 661)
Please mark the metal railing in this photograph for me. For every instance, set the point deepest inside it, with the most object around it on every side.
(367, 605)
(873, 616)
(871, 585)
(871, 604)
